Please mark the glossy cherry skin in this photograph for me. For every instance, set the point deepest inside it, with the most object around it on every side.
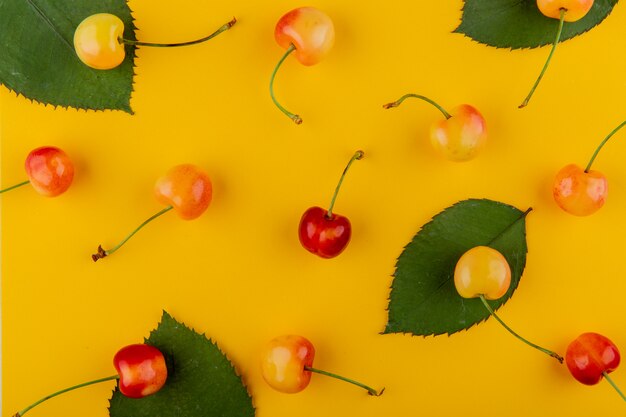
(574, 9)
(97, 41)
(142, 370)
(283, 361)
(578, 192)
(482, 271)
(460, 137)
(589, 355)
(49, 170)
(324, 236)
(309, 30)
(187, 188)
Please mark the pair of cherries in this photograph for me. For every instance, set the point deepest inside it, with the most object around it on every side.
(142, 371)
(483, 272)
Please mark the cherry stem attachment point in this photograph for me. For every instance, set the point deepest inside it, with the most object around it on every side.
(47, 397)
(357, 155)
(614, 385)
(426, 99)
(14, 186)
(493, 313)
(545, 66)
(296, 119)
(170, 45)
(593, 157)
(370, 391)
(103, 253)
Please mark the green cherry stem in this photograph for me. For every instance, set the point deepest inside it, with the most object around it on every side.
(47, 397)
(103, 253)
(357, 155)
(614, 385)
(593, 157)
(545, 66)
(14, 186)
(296, 119)
(370, 390)
(224, 27)
(426, 99)
(493, 313)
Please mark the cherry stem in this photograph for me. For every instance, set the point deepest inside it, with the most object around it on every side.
(426, 99)
(357, 155)
(47, 397)
(493, 313)
(614, 385)
(170, 45)
(545, 66)
(102, 252)
(296, 119)
(593, 157)
(14, 186)
(370, 390)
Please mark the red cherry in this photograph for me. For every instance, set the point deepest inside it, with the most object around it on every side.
(589, 356)
(322, 232)
(323, 235)
(141, 369)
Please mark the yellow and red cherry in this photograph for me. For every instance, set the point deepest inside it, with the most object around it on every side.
(460, 136)
(185, 188)
(99, 41)
(591, 357)
(582, 192)
(322, 232)
(287, 365)
(50, 171)
(563, 11)
(309, 34)
(484, 273)
(141, 371)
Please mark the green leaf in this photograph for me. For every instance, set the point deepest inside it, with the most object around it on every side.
(38, 58)
(423, 299)
(519, 23)
(201, 380)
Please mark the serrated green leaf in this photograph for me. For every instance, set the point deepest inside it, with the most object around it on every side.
(519, 23)
(423, 299)
(201, 380)
(38, 58)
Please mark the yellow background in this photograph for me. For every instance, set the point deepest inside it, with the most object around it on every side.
(239, 273)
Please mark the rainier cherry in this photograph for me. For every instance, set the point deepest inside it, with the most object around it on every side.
(459, 137)
(582, 192)
(99, 41)
(287, 364)
(483, 272)
(322, 232)
(141, 371)
(310, 34)
(592, 356)
(50, 171)
(185, 188)
(564, 11)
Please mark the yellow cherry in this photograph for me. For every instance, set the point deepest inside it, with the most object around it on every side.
(482, 271)
(97, 41)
